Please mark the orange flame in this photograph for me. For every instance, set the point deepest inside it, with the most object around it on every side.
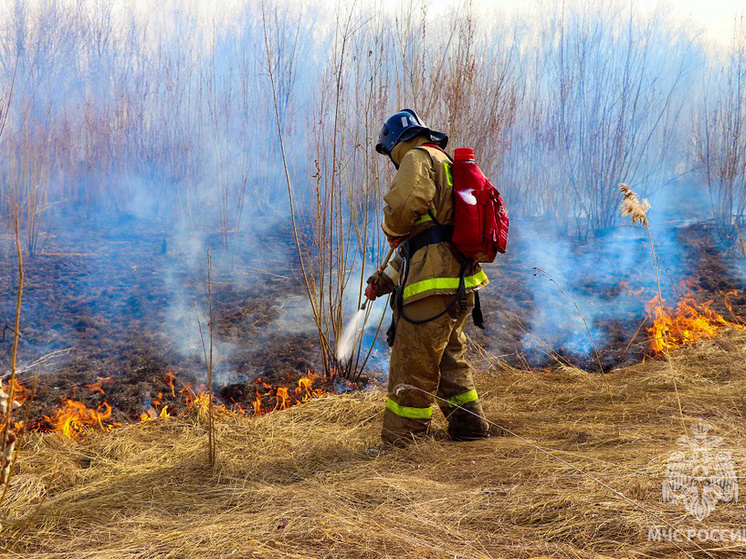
(74, 419)
(729, 306)
(199, 403)
(283, 397)
(152, 414)
(16, 397)
(257, 403)
(98, 385)
(20, 392)
(690, 322)
(169, 377)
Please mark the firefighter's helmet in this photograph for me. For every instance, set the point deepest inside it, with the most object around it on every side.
(404, 126)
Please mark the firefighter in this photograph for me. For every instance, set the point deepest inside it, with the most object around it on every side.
(433, 289)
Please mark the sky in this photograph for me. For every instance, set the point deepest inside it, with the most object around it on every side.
(713, 17)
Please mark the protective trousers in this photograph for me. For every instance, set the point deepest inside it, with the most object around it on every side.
(428, 359)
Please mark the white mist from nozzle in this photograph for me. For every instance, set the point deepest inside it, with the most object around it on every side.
(467, 196)
(351, 331)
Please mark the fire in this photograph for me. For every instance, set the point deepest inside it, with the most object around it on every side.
(152, 414)
(200, 401)
(729, 306)
(12, 398)
(169, 377)
(282, 397)
(257, 403)
(690, 322)
(20, 392)
(98, 385)
(74, 419)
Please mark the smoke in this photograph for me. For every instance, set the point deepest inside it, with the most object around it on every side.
(603, 278)
(582, 289)
(142, 137)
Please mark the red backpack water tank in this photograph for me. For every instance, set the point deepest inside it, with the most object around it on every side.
(480, 218)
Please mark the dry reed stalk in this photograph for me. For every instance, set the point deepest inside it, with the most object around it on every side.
(6, 483)
(201, 334)
(740, 238)
(637, 210)
(8, 452)
(211, 452)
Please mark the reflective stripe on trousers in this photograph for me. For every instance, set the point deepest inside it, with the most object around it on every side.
(409, 412)
(426, 413)
(461, 399)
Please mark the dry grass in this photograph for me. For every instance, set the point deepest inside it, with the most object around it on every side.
(298, 483)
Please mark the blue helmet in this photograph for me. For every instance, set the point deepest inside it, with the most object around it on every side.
(404, 126)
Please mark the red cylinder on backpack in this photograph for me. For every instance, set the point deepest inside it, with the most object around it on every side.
(480, 219)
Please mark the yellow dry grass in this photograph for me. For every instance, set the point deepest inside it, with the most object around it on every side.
(298, 483)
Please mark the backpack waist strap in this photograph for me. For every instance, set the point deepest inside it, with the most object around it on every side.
(430, 236)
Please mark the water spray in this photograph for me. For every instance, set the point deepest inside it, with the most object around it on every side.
(346, 343)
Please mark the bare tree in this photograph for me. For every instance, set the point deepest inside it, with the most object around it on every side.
(720, 139)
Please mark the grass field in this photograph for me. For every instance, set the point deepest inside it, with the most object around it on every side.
(299, 483)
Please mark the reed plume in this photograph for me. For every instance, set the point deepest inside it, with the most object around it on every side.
(633, 206)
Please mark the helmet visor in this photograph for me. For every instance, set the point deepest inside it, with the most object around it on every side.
(386, 140)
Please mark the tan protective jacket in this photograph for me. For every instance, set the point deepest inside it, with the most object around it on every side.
(423, 182)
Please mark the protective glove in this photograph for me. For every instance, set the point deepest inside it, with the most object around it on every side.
(370, 292)
(381, 282)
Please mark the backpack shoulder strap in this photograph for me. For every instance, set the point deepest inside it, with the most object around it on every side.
(428, 147)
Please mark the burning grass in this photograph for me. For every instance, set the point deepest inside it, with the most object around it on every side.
(689, 322)
(298, 483)
(75, 420)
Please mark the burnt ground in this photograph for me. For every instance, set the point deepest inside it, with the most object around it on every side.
(119, 302)
(693, 260)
